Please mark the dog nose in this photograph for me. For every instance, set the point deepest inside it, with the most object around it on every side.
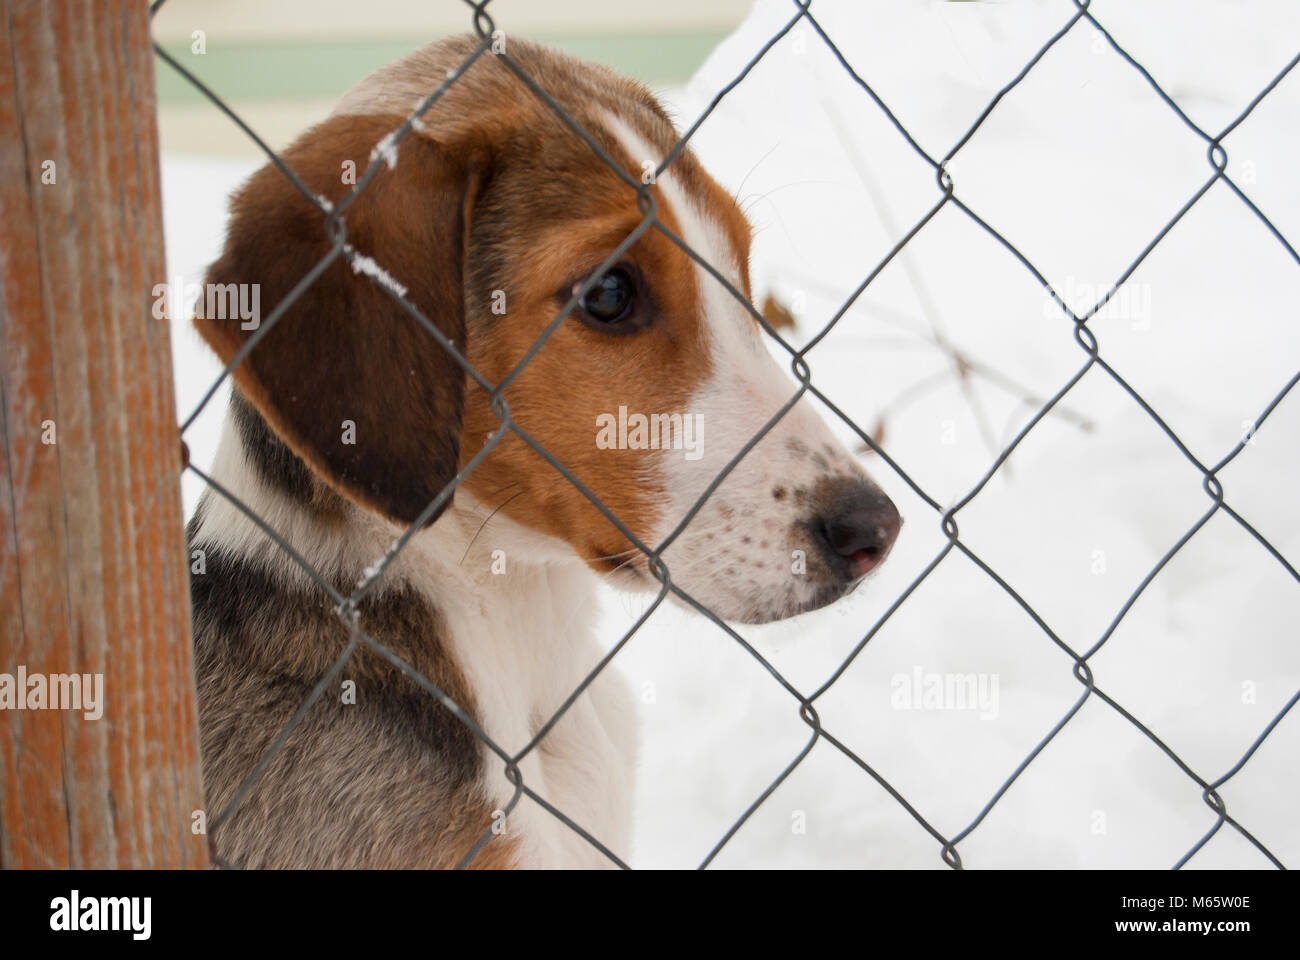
(862, 530)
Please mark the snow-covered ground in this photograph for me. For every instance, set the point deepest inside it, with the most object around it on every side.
(1079, 167)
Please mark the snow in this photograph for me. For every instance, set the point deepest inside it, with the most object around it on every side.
(386, 148)
(1079, 168)
(367, 265)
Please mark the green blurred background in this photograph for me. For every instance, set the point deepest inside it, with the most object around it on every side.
(281, 64)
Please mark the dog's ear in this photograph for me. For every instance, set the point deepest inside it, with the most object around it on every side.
(347, 377)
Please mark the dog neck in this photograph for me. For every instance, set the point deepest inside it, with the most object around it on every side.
(484, 574)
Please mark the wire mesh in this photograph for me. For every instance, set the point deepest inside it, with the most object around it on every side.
(346, 606)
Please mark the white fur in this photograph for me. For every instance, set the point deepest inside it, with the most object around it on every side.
(526, 640)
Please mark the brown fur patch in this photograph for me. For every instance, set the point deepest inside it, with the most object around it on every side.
(553, 211)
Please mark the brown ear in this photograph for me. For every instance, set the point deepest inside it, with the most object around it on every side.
(346, 351)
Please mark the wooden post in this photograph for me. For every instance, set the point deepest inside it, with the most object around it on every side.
(92, 554)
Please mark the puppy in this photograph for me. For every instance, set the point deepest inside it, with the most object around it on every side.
(349, 418)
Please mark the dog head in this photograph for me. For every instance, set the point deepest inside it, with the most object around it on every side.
(490, 215)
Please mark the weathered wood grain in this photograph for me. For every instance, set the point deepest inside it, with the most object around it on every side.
(92, 555)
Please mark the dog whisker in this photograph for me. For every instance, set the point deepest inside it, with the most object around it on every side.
(485, 522)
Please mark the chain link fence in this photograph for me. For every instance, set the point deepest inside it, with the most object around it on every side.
(1076, 15)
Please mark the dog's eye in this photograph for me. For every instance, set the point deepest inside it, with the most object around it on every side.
(611, 300)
